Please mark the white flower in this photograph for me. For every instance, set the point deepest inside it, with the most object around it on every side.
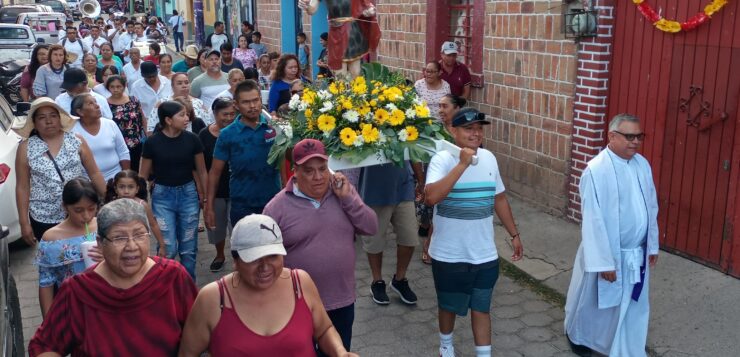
(391, 107)
(403, 135)
(359, 140)
(288, 131)
(418, 101)
(382, 138)
(351, 116)
(410, 113)
(326, 107)
(324, 94)
(295, 101)
(303, 106)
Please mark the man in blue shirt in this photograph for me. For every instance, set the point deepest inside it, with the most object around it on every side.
(389, 191)
(244, 144)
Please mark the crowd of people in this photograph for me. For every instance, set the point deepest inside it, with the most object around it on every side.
(156, 144)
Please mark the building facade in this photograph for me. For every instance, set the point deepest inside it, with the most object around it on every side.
(550, 98)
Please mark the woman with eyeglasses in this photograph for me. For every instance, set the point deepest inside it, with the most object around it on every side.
(129, 304)
(432, 88)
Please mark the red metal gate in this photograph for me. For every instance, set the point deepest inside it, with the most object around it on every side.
(686, 88)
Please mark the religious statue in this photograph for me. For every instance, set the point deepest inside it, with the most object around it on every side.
(353, 32)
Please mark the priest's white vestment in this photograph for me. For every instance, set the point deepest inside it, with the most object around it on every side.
(619, 231)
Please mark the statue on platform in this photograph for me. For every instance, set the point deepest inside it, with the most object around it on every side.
(353, 32)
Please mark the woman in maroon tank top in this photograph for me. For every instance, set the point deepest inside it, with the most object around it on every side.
(262, 308)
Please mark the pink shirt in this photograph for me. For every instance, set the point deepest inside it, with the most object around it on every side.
(321, 240)
(247, 57)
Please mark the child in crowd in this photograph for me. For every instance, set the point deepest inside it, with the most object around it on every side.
(59, 255)
(128, 184)
(257, 45)
(304, 54)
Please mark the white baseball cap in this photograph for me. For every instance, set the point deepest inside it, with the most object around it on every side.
(449, 48)
(256, 236)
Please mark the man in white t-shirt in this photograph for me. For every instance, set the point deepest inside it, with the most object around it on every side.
(151, 90)
(74, 46)
(466, 191)
(94, 41)
(132, 70)
(209, 85)
(176, 21)
(218, 37)
(120, 37)
(75, 83)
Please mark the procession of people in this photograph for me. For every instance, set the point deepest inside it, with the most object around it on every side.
(127, 151)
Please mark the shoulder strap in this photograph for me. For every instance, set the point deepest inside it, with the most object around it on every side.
(221, 292)
(296, 284)
(56, 167)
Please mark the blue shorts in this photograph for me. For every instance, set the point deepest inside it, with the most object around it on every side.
(463, 286)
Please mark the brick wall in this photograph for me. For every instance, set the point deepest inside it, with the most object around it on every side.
(268, 23)
(591, 100)
(529, 88)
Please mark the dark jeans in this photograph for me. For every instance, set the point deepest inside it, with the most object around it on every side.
(179, 40)
(342, 318)
(135, 153)
(238, 212)
(39, 228)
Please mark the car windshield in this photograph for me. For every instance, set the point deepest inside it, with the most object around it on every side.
(13, 33)
(13, 12)
(55, 5)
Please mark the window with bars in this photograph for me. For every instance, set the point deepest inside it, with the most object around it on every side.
(456, 20)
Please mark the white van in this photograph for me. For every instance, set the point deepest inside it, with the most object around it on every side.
(45, 25)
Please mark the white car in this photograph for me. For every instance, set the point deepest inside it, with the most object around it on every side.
(9, 141)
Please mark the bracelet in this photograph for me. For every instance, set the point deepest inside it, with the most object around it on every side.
(515, 236)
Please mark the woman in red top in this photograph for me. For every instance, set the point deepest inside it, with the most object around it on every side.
(262, 308)
(130, 304)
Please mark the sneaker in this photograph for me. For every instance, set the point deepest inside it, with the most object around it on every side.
(447, 351)
(401, 287)
(217, 266)
(377, 289)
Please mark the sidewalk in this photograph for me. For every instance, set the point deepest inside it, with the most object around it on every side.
(694, 309)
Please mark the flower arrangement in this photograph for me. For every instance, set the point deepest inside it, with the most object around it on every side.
(373, 114)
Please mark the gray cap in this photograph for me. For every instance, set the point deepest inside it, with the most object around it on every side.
(449, 48)
(256, 236)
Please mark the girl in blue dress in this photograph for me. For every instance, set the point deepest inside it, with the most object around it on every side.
(59, 255)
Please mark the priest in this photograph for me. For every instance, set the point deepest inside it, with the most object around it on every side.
(607, 308)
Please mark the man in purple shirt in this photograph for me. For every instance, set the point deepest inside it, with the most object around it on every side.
(454, 72)
(319, 226)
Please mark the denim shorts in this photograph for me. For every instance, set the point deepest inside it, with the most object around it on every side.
(463, 286)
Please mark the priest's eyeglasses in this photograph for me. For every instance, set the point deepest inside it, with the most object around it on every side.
(121, 241)
(632, 137)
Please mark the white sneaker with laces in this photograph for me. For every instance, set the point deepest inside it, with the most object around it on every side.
(447, 351)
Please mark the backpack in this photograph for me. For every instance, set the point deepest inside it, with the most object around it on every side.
(79, 41)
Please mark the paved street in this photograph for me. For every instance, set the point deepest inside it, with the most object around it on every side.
(523, 324)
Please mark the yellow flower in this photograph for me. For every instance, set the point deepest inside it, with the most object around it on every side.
(397, 117)
(359, 86)
(347, 135)
(309, 96)
(668, 25)
(381, 116)
(308, 113)
(381, 98)
(714, 6)
(412, 132)
(422, 111)
(309, 124)
(326, 123)
(370, 133)
(373, 103)
(364, 110)
(333, 88)
(346, 103)
(393, 94)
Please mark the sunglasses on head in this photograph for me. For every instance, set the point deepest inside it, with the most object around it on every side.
(471, 116)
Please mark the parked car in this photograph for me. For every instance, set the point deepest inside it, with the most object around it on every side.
(45, 25)
(16, 44)
(11, 325)
(59, 6)
(8, 14)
